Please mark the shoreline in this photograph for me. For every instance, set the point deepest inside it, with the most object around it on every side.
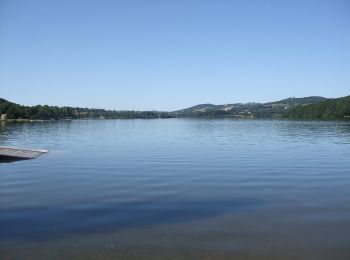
(20, 120)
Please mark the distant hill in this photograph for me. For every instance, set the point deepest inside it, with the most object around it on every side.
(300, 101)
(274, 109)
(4, 105)
(338, 108)
(200, 107)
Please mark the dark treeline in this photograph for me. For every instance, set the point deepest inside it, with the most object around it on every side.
(338, 108)
(15, 111)
(292, 108)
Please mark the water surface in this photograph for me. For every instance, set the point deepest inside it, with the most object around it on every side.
(177, 188)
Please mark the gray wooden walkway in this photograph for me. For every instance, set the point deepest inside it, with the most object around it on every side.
(16, 153)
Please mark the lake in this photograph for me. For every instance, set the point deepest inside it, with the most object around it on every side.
(177, 188)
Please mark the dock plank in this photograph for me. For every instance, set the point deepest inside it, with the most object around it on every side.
(12, 152)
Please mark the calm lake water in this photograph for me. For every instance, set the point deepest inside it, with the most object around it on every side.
(177, 188)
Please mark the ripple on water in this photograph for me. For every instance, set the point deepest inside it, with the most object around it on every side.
(211, 184)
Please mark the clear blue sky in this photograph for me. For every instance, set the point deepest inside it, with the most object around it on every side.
(166, 55)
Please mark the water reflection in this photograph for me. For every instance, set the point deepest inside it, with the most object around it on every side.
(43, 223)
(188, 174)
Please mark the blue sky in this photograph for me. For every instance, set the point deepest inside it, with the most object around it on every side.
(166, 55)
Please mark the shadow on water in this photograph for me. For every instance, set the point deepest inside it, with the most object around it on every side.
(45, 223)
(6, 159)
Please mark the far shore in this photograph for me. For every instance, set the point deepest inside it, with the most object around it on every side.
(20, 120)
(30, 120)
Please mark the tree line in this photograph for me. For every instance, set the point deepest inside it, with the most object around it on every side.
(329, 109)
(39, 112)
(338, 108)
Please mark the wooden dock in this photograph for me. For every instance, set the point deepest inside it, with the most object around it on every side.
(20, 154)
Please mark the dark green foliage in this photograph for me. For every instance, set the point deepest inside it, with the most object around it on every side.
(338, 108)
(293, 108)
(15, 111)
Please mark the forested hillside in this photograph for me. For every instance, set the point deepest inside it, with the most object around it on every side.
(292, 108)
(338, 108)
(15, 111)
(274, 109)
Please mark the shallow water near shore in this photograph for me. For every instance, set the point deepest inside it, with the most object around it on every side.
(177, 188)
